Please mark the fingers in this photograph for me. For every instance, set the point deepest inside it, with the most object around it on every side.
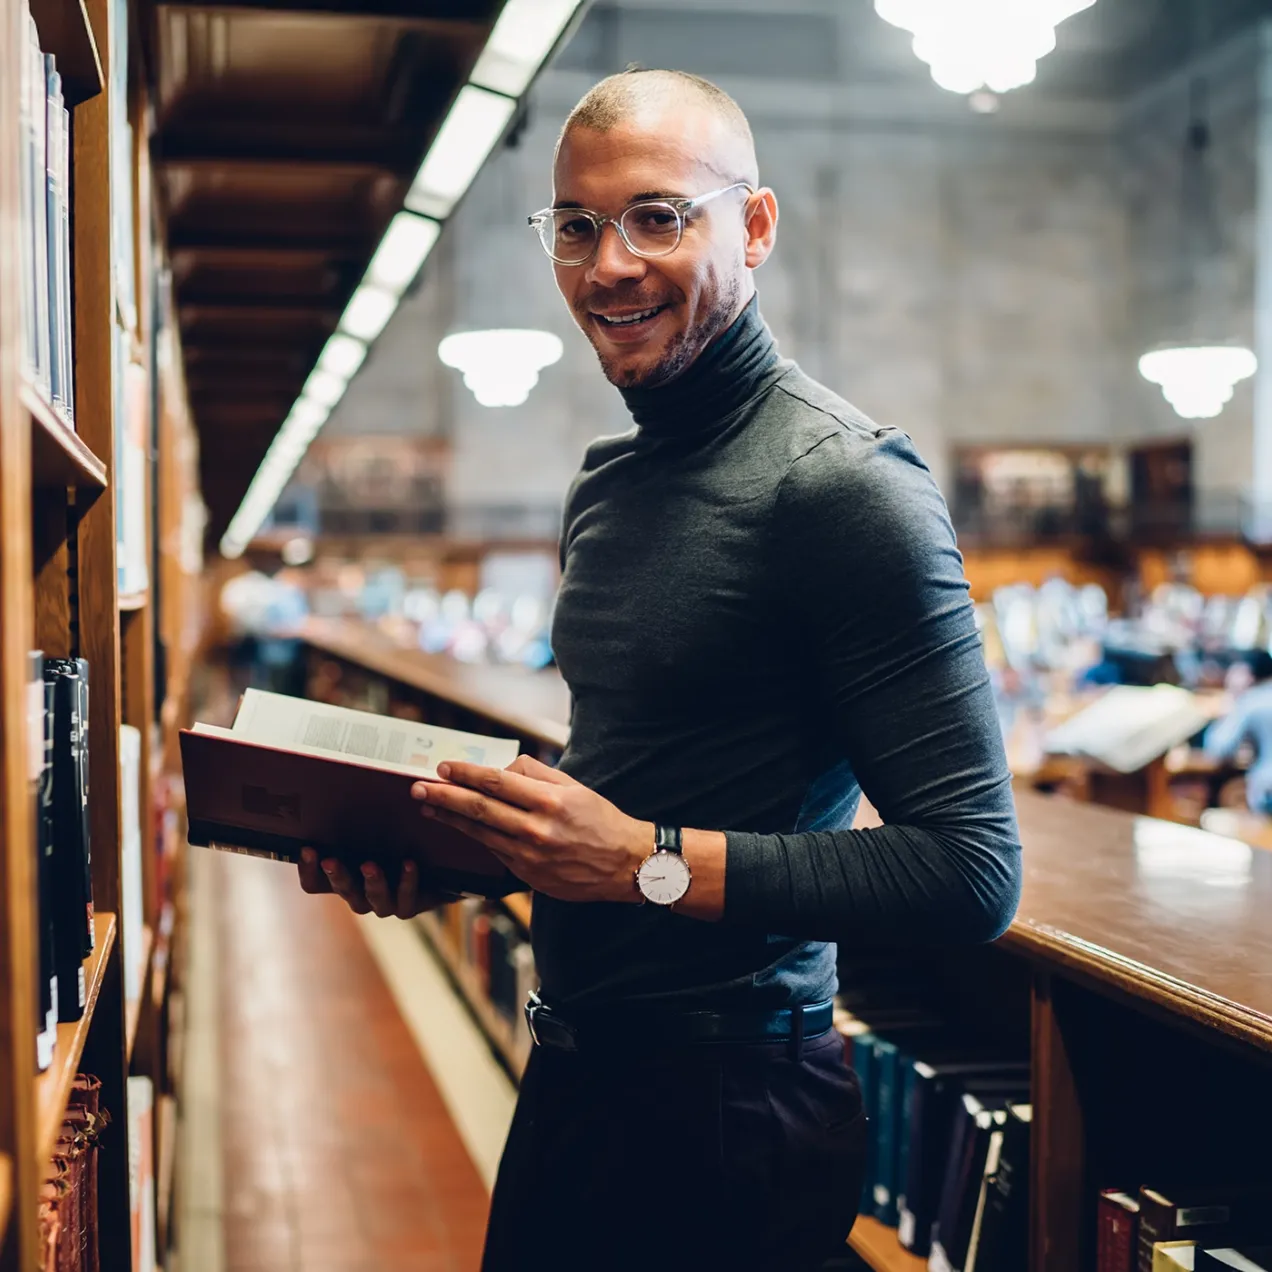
(485, 810)
(376, 889)
(407, 901)
(504, 785)
(312, 879)
(528, 766)
(345, 886)
(509, 849)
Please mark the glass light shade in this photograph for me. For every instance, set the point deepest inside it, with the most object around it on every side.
(474, 125)
(501, 366)
(1198, 380)
(972, 44)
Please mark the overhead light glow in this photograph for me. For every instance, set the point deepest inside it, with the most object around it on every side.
(1198, 380)
(973, 44)
(523, 37)
(475, 123)
(403, 250)
(325, 387)
(342, 356)
(368, 310)
(500, 367)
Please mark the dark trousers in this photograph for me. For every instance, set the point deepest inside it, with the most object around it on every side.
(717, 1156)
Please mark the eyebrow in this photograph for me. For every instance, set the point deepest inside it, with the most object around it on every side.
(640, 197)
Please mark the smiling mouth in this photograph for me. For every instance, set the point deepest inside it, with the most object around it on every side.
(629, 320)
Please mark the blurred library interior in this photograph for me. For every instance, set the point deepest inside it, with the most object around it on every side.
(290, 405)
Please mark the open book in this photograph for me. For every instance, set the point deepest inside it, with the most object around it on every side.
(292, 774)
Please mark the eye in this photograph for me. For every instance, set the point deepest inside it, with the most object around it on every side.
(574, 228)
(655, 219)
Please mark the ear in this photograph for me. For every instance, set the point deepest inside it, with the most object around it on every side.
(761, 227)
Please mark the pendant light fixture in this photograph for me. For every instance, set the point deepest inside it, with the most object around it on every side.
(1197, 372)
(975, 44)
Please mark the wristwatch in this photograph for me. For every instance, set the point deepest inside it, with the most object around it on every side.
(663, 877)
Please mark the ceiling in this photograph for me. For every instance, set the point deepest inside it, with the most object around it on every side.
(286, 135)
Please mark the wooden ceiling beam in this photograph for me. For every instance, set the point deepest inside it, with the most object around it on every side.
(256, 165)
(258, 309)
(279, 241)
(443, 17)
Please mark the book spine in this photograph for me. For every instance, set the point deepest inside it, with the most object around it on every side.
(26, 214)
(53, 251)
(85, 831)
(883, 1193)
(864, 1064)
(1116, 1239)
(64, 274)
(69, 900)
(1156, 1223)
(40, 131)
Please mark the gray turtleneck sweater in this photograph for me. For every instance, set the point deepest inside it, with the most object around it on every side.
(762, 614)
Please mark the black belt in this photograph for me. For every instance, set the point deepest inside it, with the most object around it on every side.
(670, 1029)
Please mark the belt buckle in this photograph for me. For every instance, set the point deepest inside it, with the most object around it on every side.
(546, 1029)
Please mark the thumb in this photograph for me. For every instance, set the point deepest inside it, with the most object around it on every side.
(528, 766)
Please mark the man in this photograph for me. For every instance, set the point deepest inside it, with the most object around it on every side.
(762, 613)
(1250, 720)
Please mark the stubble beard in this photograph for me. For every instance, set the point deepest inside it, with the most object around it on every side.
(682, 350)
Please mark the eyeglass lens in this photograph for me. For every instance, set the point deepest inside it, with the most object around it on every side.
(649, 229)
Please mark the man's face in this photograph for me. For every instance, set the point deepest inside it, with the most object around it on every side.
(696, 291)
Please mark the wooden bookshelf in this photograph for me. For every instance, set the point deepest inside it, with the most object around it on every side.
(133, 1009)
(59, 457)
(53, 1086)
(879, 1247)
(6, 1193)
(59, 594)
(519, 906)
(497, 1030)
(67, 32)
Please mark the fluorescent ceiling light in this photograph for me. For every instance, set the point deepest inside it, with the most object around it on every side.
(474, 125)
(324, 387)
(523, 37)
(307, 414)
(343, 356)
(368, 310)
(402, 251)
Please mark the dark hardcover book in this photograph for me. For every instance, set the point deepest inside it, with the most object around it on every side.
(1213, 1215)
(1003, 1244)
(935, 1090)
(979, 1115)
(1117, 1231)
(863, 1066)
(1234, 1259)
(504, 938)
(71, 906)
(266, 801)
(42, 704)
(85, 836)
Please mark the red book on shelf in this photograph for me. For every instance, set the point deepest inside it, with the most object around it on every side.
(1117, 1219)
(294, 774)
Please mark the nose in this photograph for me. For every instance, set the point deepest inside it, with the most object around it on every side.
(613, 262)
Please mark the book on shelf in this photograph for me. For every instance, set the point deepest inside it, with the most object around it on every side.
(71, 903)
(131, 462)
(1232, 1259)
(1117, 1231)
(1209, 1215)
(292, 773)
(131, 890)
(141, 1171)
(40, 764)
(44, 226)
(1172, 1256)
(68, 1208)
(1001, 1241)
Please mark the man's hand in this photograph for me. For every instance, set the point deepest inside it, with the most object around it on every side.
(369, 893)
(553, 833)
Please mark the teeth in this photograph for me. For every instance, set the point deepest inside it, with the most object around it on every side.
(629, 318)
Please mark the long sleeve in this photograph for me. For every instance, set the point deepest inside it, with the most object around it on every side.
(874, 582)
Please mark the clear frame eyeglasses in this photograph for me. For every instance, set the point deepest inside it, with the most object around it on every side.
(650, 228)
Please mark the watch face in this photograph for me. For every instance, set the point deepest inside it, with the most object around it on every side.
(663, 878)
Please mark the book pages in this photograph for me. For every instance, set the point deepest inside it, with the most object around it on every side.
(1130, 727)
(399, 746)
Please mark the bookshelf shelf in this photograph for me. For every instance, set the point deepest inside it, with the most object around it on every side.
(65, 30)
(132, 1010)
(53, 1086)
(6, 1192)
(59, 456)
(518, 905)
(493, 1025)
(131, 602)
(879, 1247)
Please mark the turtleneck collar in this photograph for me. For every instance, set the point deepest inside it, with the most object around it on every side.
(728, 373)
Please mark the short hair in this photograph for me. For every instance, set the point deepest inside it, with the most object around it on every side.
(616, 98)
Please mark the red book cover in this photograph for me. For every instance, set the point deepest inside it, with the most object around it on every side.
(1118, 1229)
